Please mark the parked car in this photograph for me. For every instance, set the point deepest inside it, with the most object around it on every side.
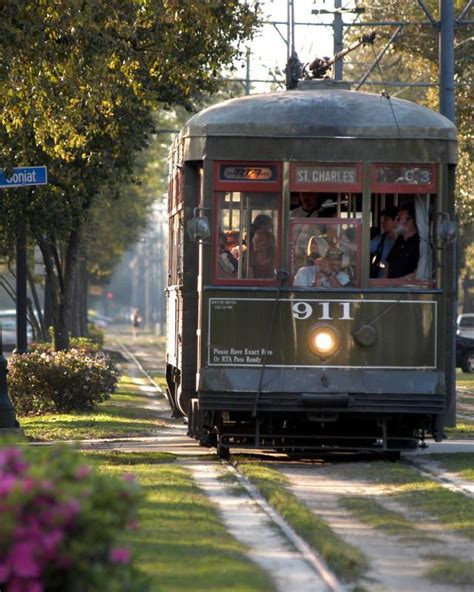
(97, 319)
(465, 353)
(465, 323)
(8, 329)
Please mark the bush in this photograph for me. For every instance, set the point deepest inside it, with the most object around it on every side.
(61, 525)
(96, 335)
(83, 344)
(64, 381)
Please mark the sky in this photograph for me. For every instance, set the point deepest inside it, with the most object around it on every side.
(269, 50)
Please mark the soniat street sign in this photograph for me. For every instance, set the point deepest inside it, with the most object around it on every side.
(24, 176)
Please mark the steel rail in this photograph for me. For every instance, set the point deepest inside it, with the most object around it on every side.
(444, 481)
(132, 358)
(308, 554)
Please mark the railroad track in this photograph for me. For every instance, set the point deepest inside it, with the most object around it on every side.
(297, 565)
(255, 514)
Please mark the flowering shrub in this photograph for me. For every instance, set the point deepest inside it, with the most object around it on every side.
(49, 381)
(82, 344)
(61, 524)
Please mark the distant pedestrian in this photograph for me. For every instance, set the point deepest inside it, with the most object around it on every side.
(135, 319)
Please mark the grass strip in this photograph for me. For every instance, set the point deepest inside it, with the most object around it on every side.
(465, 379)
(182, 544)
(461, 463)
(452, 571)
(452, 509)
(371, 512)
(345, 560)
(464, 430)
(123, 415)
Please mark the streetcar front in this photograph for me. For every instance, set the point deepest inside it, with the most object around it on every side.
(308, 335)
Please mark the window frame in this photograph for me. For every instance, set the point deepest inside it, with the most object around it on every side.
(355, 222)
(242, 186)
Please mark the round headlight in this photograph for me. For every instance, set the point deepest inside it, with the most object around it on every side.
(323, 341)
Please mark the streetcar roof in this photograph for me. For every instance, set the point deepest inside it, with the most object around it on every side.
(320, 112)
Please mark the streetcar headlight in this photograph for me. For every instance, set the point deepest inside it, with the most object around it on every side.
(323, 341)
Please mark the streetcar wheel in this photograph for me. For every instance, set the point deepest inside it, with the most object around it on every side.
(467, 362)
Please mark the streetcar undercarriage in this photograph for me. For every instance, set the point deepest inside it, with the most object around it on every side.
(312, 430)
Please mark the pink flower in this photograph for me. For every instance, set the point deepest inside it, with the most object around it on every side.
(4, 572)
(82, 472)
(28, 484)
(129, 477)
(11, 460)
(7, 483)
(51, 540)
(23, 560)
(21, 585)
(120, 555)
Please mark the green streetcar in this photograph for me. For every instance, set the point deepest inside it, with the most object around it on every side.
(286, 331)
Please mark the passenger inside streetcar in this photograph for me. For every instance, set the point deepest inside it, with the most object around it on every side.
(402, 261)
(262, 254)
(325, 273)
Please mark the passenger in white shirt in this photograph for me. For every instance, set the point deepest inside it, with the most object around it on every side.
(325, 273)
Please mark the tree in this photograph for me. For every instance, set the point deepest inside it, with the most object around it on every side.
(79, 81)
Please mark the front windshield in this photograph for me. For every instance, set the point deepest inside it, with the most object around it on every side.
(325, 253)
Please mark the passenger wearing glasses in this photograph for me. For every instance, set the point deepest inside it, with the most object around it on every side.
(403, 258)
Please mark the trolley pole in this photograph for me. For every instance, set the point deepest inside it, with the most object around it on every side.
(446, 59)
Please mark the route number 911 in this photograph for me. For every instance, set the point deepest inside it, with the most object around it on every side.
(304, 310)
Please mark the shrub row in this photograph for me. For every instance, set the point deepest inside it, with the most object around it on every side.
(47, 381)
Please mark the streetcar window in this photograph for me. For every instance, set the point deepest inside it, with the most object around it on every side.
(401, 251)
(247, 237)
(307, 204)
(325, 252)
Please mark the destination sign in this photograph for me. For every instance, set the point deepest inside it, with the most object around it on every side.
(404, 178)
(332, 177)
(405, 175)
(326, 175)
(24, 177)
(247, 173)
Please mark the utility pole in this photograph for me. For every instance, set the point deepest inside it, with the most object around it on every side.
(446, 59)
(338, 38)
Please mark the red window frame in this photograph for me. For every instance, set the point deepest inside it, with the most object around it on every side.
(243, 185)
(357, 222)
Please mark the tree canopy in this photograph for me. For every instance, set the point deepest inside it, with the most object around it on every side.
(79, 83)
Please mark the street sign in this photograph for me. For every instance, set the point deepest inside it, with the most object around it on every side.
(24, 177)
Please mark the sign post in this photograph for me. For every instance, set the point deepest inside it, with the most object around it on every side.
(20, 177)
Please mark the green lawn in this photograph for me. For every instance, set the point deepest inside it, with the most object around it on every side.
(466, 380)
(181, 544)
(123, 415)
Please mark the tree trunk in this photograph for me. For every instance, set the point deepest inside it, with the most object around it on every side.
(48, 307)
(79, 308)
(62, 280)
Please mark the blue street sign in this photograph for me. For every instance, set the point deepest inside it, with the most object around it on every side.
(24, 176)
